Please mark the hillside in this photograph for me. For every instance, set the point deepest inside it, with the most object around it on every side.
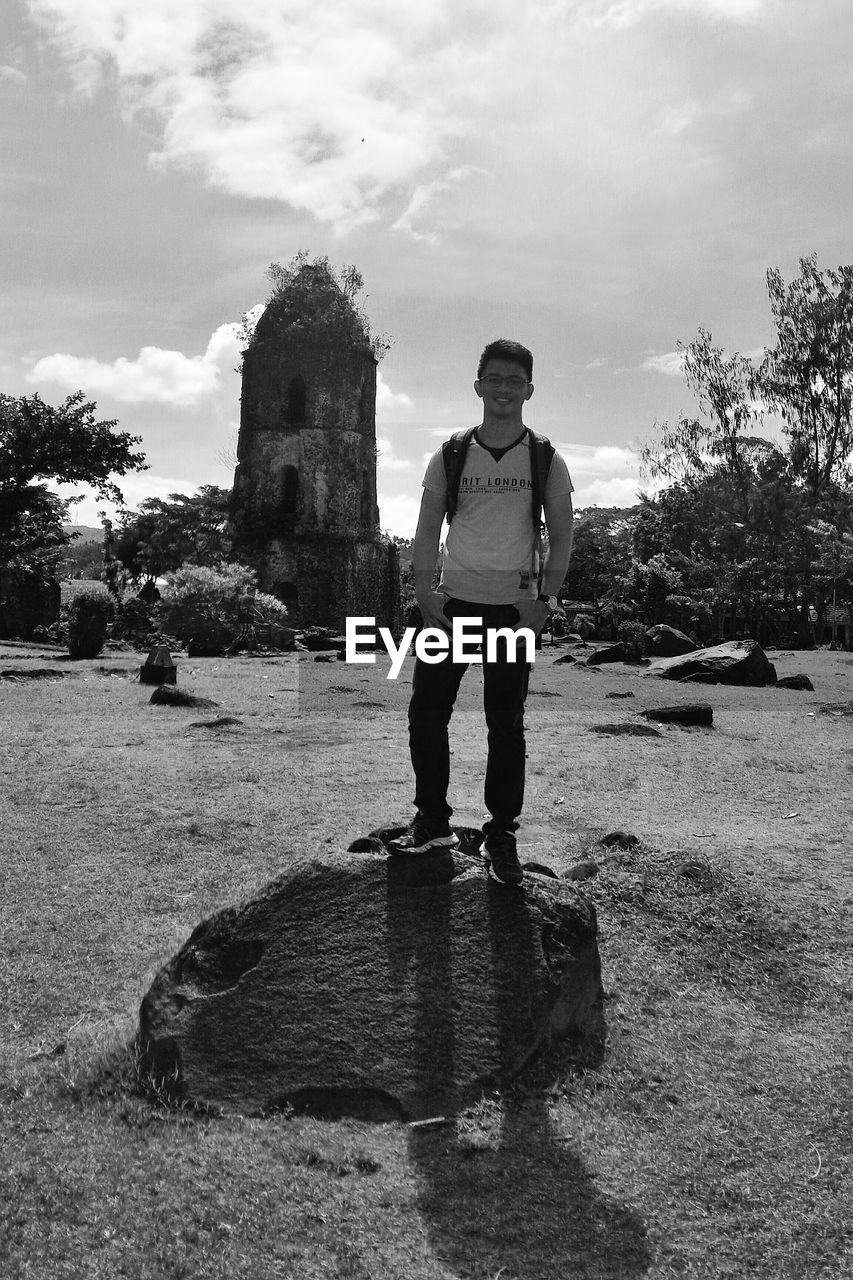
(86, 532)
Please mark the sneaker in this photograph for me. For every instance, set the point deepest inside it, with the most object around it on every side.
(424, 834)
(504, 866)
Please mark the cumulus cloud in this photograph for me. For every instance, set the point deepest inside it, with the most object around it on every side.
(613, 492)
(423, 195)
(670, 363)
(135, 488)
(388, 400)
(11, 75)
(399, 514)
(155, 376)
(605, 475)
(626, 13)
(600, 458)
(326, 111)
(386, 458)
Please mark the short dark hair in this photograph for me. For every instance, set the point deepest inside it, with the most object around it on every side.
(506, 349)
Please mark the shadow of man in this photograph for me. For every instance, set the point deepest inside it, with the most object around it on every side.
(528, 1209)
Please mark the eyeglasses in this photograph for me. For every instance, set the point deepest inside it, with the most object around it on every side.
(513, 382)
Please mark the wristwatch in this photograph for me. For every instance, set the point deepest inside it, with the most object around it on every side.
(551, 601)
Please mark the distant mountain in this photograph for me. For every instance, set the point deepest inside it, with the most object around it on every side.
(87, 534)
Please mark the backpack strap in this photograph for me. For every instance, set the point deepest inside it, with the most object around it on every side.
(453, 452)
(541, 456)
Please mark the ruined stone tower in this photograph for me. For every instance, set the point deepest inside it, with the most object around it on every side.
(304, 509)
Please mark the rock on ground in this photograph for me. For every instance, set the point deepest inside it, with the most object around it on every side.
(741, 662)
(668, 642)
(795, 682)
(382, 987)
(608, 653)
(689, 713)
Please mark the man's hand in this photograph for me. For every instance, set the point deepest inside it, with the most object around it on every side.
(533, 614)
(432, 610)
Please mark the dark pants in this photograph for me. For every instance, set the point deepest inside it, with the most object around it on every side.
(434, 689)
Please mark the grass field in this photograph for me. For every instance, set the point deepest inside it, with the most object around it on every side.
(716, 1138)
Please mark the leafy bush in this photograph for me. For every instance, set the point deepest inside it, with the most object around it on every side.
(134, 619)
(632, 635)
(202, 604)
(87, 617)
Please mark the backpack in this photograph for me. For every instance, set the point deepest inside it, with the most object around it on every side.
(453, 452)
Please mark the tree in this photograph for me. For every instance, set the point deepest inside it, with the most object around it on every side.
(808, 375)
(66, 445)
(164, 534)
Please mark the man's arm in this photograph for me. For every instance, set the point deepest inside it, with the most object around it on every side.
(560, 519)
(424, 556)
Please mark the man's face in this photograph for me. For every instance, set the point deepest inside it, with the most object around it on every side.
(503, 388)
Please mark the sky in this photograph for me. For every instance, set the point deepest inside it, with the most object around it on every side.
(594, 178)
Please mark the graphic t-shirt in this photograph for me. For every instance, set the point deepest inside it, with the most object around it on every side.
(489, 556)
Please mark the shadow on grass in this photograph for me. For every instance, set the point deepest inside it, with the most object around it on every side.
(527, 1208)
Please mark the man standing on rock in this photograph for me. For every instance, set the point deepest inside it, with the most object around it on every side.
(493, 483)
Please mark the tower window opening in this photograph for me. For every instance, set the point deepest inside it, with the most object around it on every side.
(289, 490)
(294, 410)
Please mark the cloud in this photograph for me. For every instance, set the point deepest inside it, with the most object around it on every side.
(595, 459)
(399, 514)
(423, 195)
(12, 75)
(615, 492)
(388, 400)
(671, 364)
(605, 475)
(155, 376)
(627, 13)
(386, 459)
(135, 488)
(327, 111)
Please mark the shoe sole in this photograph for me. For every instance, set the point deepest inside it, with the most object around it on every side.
(508, 884)
(438, 842)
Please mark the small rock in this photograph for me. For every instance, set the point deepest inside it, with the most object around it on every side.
(691, 713)
(583, 870)
(326, 657)
(627, 694)
(567, 657)
(619, 839)
(795, 682)
(698, 870)
(166, 695)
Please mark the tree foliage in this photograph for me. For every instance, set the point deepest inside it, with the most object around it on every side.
(202, 602)
(64, 444)
(167, 533)
(736, 516)
(316, 293)
(807, 376)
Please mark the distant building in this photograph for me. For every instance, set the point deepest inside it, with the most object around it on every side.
(304, 510)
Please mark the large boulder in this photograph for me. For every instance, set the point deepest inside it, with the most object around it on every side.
(735, 662)
(668, 642)
(383, 987)
(608, 653)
